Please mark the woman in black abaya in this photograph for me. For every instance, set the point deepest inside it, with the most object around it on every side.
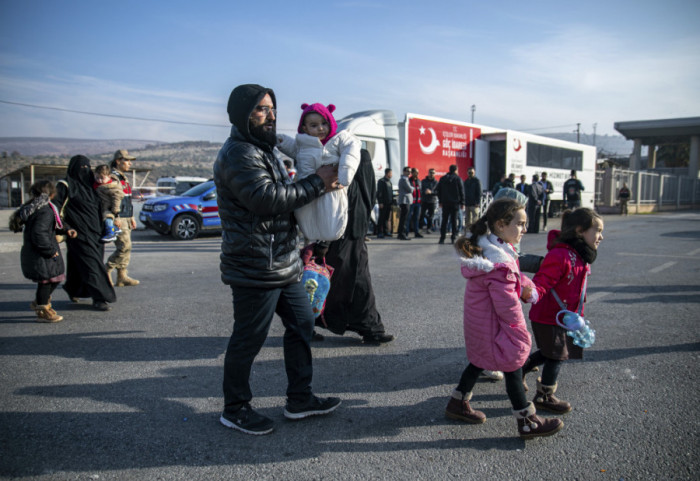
(350, 304)
(85, 273)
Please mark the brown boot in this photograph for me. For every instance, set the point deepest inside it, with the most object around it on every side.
(458, 408)
(46, 314)
(124, 280)
(33, 305)
(109, 275)
(530, 425)
(546, 401)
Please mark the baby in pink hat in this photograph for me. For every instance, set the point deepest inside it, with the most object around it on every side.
(318, 143)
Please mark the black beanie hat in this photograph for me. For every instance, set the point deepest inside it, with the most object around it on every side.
(241, 103)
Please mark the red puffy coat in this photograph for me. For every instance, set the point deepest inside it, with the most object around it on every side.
(495, 331)
(563, 270)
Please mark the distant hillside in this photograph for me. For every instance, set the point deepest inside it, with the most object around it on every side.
(194, 158)
(163, 159)
(47, 146)
(608, 145)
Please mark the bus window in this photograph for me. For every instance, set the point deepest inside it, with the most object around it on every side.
(546, 156)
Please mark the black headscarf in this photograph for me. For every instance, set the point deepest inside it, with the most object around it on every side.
(82, 210)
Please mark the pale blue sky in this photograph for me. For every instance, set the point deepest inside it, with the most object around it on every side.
(525, 65)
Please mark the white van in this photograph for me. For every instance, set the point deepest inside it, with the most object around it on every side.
(176, 185)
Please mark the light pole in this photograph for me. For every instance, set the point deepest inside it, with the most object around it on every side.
(473, 110)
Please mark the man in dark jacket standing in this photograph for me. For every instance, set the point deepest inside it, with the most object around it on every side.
(428, 200)
(535, 197)
(450, 192)
(260, 259)
(472, 197)
(572, 191)
(385, 197)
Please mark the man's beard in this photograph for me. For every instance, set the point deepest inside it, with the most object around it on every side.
(266, 136)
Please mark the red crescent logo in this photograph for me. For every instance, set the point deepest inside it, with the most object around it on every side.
(516, 145)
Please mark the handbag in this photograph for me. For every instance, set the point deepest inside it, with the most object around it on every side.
(61, 237)
(316, 280)
(576, 326)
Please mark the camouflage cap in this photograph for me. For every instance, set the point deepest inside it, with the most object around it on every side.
(123, 154)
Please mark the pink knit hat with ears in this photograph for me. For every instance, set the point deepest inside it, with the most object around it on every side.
(325, 112)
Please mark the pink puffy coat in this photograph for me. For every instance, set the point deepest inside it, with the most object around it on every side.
(563, 270)
(495, 331)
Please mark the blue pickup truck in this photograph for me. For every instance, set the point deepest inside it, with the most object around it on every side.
(183, 216)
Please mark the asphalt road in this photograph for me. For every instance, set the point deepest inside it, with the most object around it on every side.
(135, 393)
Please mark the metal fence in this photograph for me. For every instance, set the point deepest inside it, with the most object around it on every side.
(647, 189)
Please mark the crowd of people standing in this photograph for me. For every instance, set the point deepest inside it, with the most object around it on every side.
(460, 202)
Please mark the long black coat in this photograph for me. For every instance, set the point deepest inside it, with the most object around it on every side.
(86, 275)
(40, 246)
(350, 304)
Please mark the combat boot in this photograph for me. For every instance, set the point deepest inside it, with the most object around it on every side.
(46, 314)
(530, 425)
(458, 408)
(124, 280)
(546, 401)
(109, 275)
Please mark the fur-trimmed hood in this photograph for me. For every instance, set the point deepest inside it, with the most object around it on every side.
(495, 253)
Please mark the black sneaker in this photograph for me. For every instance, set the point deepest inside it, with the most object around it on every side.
(313, 407)
(376, 339)
(247, 421)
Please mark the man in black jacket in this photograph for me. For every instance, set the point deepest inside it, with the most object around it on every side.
(429, 200)
(385, 197)
(472, 197)
(260, 259)
(450, 192)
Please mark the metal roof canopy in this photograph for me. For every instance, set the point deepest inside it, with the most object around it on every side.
(658, 132)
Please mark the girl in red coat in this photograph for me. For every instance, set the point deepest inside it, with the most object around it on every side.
(564, 270)
(495, 331)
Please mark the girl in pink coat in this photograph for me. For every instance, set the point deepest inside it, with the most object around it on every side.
(495, 331)
(563, 270)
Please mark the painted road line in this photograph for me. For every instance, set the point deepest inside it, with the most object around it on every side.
(694, 253)
(637, 254)
(596, 296)
(660, 268)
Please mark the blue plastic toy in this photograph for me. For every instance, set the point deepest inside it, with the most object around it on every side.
(579, 329)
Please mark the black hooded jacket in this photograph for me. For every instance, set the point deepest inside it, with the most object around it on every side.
(450, 189)
(40, 246)
(256, 203)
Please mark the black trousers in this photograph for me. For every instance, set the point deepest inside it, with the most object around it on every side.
(44, 291)
(384, 213)
(449, 212)
(253, 309)
(514, 385)
(402, 219)
(427, 212)
(533, 219)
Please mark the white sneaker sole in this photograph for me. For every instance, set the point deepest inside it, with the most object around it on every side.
(231, 425)
(493, 375)
(306, 414)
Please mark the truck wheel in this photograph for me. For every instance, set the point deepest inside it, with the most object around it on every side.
(185, 227)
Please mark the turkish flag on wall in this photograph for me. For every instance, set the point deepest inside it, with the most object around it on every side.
(436, 145)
